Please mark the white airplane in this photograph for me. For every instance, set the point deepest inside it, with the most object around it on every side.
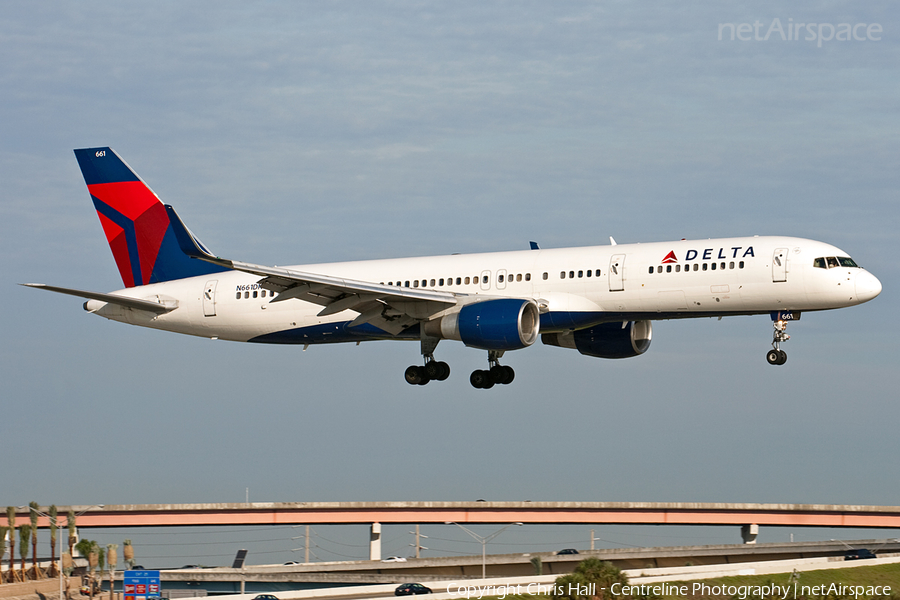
(598, 300)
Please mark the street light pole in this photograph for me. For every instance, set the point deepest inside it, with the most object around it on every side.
(484, 540)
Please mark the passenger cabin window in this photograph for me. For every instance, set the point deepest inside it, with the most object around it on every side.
(545, 276)
(500, 278)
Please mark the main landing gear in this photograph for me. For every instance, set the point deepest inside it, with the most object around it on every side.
(433, 369)
(497, 373)
(777, 356)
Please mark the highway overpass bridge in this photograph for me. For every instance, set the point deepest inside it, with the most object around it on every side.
(746, 516)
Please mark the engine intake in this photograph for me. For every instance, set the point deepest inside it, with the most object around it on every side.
(607, 340)
(502, 324)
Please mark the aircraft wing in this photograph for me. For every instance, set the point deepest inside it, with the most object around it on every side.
(148, 305)
(387, 307)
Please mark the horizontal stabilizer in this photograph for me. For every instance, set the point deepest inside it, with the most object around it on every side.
(148, 305)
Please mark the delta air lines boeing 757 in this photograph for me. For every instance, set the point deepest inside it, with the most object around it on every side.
(599, 301)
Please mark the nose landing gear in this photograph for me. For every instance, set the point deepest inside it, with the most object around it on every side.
(496, 374)
(777, 356)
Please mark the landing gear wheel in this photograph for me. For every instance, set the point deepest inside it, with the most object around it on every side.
(776, 357)
(510, 374)
(416, 375)
(445, 371)
(499, 374)
(437, 370)
(481, 380)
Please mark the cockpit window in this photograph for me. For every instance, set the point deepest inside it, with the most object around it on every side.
(830, 262)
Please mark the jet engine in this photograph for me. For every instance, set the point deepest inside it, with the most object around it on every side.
(607, 340)
(501, 324)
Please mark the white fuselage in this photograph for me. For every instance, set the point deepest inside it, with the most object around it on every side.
(574, 287)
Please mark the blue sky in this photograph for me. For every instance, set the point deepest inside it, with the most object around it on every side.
(306, 132)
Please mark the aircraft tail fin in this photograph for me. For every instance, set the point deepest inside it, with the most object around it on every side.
(135, 222)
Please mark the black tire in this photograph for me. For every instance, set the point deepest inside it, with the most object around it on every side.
(479, 379)
(499, 374)
(423, 373)
(782, 358)
(445, 371)
(510, 374)
(773, 356)
(412, 375)
(433, 369)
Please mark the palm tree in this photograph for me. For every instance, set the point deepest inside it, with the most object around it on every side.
(33, 510)
(24, 534)
(53, 528)
(3, 531)
(90, 550)
(112, 559)
(128, 552)
(73, 531)
(11, 519)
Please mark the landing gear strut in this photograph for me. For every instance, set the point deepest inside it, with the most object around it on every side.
(496, 373)
(433, 369)
(777, 356)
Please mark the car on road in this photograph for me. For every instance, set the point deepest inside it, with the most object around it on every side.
(859, 554)
(393, 559)
(567, 551)
(265, 597)
(411, 589)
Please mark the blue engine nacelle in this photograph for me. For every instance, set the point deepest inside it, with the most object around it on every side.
(607, 340)
(501, 324)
